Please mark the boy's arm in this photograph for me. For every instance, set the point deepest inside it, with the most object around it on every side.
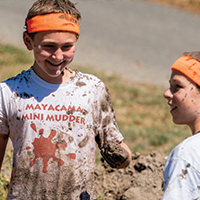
(117, 155)
(3, 144)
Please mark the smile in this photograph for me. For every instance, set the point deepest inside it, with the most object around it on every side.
(56, 65)
(172, 108)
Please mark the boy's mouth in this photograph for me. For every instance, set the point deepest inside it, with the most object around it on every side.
(172, 108)
(56, 65)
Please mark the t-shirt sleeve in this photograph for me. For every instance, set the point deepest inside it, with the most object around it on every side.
(4, 128)
(105, 121)
(182, 180)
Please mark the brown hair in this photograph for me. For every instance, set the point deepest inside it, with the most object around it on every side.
(194, 54)
(41, 7)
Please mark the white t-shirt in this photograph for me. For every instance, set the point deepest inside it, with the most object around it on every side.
(53, 129)
(182, 171)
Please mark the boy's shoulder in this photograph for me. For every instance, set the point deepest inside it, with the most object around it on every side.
(192, 141)
(89, 79)
(87, 76)
(24, 75)
(188, 148)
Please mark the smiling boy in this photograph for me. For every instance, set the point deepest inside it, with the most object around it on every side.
(53, 51)
(182, 174)
(53, 115)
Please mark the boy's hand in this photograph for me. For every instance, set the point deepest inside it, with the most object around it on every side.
(114, 154)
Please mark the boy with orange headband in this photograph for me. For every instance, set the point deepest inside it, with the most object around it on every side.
(182, 169)
(54, 115)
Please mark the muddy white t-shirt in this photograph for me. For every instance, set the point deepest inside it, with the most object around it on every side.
(182, 171)
(53, 129)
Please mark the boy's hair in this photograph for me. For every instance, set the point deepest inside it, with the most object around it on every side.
(41, 7)
(189, 65)
(194, 54)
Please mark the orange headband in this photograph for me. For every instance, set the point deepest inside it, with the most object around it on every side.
(189, 67)
(53, 22)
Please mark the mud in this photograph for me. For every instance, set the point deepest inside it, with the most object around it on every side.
(114, 154)
(141, 180)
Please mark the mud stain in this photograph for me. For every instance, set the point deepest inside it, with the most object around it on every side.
(71, 139)
(99, 139)
(80, 84)
(84, 142)
(104, 106)
(106, 121)
(24, 95)
(188, 165)
(184, 172)
(85, 112)
(70, 112)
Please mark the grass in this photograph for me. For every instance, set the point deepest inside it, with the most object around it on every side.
(12, 61)
(3, 188)
(4, 180)
(141, 111)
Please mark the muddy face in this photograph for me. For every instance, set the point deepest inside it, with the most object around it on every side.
(184, 100)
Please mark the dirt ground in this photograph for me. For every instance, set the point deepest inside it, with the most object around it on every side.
(141, 180)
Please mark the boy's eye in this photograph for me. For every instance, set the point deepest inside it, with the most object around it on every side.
(54, 47)
(67, 46)
(175, 88)
(178, 86)
(48, 46)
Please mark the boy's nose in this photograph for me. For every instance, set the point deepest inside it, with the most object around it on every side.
(168, 94)
(58, 54)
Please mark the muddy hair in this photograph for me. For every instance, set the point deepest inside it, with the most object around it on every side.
(41, 7)
(195, 55)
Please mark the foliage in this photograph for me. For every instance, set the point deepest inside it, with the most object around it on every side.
(4, 181)
(3, 186)
(13, 60)
(10, 54)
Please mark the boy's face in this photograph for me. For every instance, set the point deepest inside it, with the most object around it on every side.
(184, 100)
(53, 52)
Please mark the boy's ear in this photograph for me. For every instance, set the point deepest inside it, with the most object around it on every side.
(27, 41)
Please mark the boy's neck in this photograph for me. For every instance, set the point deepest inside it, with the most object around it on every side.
(66, 76)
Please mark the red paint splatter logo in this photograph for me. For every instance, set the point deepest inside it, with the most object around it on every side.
(45, 149)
